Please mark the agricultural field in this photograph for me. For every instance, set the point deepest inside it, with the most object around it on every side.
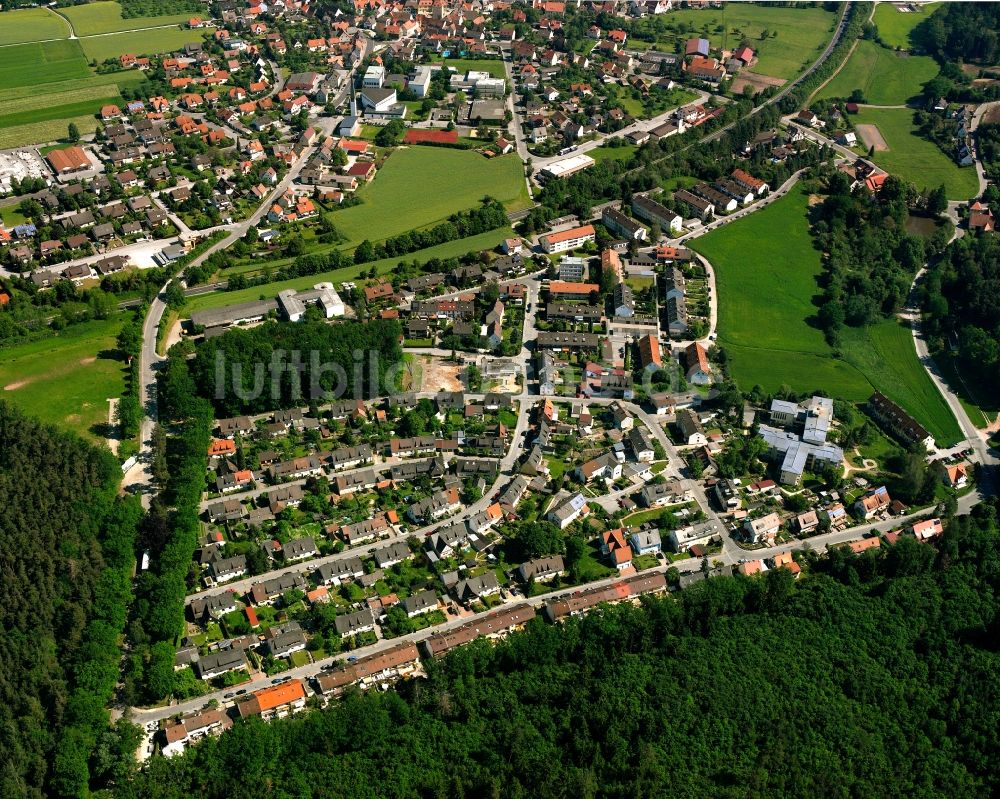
(56, 105)
(914, 158)
(451, 249)
(142, 42)
(31, 25)
(895, 28)
(795, 36)
(766, 286)
(418, 187)
(884, 76)
(102, 17)
(67, 379)
(42, 62)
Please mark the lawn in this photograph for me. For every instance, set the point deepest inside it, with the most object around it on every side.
(676, 182)
(622, 153)
(914, 158)
(143, 42)
(105, 17)
(451, 249)
(418, 187)
(894, 28)
(66, 379)
(766, 286)
(884, 76)
(31, 25)
(42, 62)
(796, 36)
(492, 65)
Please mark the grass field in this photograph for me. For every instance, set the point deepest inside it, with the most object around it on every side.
(895, 28)
(802, 33)
(107, 18)
(766, 285)
(31, 25)
(32, 115)
(78, 86)
(419, 186)
(43, 62)
(451, 249)
(144, 42)
(885, 77)
(38, 132)
(885, 355)
(66, 380)
(57, 105)
(914, 158)
(622, 153)
(492, 65)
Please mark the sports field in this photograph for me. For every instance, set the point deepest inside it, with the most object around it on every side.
(31, 25)
(767, 269)
(451, 249)
(885, 77)
(795, 36)
(67, 379)
(107, 17)
(419, 186)
(143, 42)
(894, 28)
(914, 158)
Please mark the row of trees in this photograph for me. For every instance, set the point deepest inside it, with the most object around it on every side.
(876, 676)
(169, 535)
(66, 553)
(489, 216)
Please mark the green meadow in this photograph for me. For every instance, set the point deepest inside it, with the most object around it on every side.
(766, 271)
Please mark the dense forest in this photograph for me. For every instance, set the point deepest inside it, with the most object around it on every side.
(66, 558)
(877, 676)
(352, 360)
(870, 259)
(962, 306)
(967, 32)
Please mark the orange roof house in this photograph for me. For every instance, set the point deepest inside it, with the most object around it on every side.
(221, 446)
(649, 352)
(273, 698)
(68, 159)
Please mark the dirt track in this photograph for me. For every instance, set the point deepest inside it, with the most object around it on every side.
(871, 136)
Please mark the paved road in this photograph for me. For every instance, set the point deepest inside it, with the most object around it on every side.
(144, 716)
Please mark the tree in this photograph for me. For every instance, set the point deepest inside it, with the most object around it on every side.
(391, 134)
(73, 132)
(364, 253)
(174, 295)
(937, 201)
